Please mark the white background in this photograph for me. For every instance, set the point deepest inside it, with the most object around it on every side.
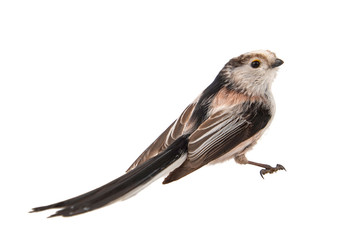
(85, 86)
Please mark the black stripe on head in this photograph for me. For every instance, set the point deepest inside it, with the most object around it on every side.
(244, 59)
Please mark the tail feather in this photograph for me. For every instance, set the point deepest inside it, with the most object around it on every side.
(126, 185)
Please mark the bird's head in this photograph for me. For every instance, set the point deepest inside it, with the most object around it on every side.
(253, 72)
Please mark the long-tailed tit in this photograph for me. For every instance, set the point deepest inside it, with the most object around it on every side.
(224, 122)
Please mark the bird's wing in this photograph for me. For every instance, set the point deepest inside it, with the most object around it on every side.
(173, 132)
(219, 134)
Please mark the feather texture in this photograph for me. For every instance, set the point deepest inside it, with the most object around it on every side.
(224, 121)
(125, 186)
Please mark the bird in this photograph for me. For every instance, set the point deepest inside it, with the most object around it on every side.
(225, 121)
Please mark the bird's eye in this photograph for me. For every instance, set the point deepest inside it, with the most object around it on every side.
(255, 64)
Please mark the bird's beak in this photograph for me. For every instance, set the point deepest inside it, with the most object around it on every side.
(278, 62)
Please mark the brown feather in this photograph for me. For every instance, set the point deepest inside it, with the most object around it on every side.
(174, 131)
(226, 97)
(207, 143)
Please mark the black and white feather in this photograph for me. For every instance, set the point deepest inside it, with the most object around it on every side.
(224, 121)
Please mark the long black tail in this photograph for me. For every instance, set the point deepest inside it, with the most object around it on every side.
(125, 186)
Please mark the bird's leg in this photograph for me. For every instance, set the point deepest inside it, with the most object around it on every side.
(266, 168)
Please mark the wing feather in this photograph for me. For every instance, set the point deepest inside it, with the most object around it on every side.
(221, 133)
(173, 132)
(207, 144)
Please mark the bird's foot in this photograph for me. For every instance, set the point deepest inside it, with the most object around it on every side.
(269, 169)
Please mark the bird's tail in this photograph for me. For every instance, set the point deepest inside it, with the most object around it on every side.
(127, 185)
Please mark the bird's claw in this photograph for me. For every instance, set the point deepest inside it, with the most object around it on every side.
(271, 170)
